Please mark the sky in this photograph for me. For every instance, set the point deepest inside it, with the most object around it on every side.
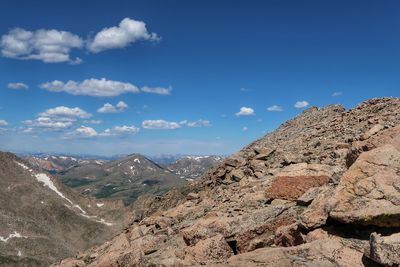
(187, 77)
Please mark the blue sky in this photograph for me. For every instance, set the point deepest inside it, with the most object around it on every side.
(192, 77)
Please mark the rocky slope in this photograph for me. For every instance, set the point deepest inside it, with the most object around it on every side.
(192, 167)
(124, 179)
(42, 221)
(321, 190)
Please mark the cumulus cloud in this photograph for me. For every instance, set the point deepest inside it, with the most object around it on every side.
(85, 131)
(157, 90)
(127, 32)
(62, 111)
(245, 111)
(17, 86)
(49, 46)
(244, 129)
(3, 123)
(198, 123)
(275, 108)
(109, 108)
(336, 94)
(301, 104)
(160, 125)
(91, 87)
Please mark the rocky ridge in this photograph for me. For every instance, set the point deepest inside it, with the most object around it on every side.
(321, 190)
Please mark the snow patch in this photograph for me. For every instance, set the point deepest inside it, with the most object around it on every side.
(14, 235)
(136, 160)
(23, 166)
(45, 179)
(100, 205)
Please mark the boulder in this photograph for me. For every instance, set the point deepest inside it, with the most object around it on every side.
(317, 213)
(385, 250)
(211, 250)
(369, 192)
(207, 227)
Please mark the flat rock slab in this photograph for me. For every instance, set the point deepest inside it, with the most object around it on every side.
(325, 252)
(293, 187)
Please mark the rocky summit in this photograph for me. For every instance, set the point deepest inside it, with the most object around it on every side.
(321, 190)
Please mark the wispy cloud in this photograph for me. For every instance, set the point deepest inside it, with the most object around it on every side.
(198, 123)
(335, 94)
(245, 111)
(3, 123)
(244, 129)
(275, 108)
(160, 125)
(18, 86)
(157, 90)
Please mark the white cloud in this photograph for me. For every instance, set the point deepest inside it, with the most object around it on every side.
(275, 108)
(120, 130)
(85, 131)
(57, 119)
(157, 90)
(301, 104)
(198, 123)
(160, 125)
(91, 87)
(337, 94)
(121, 105)
(245, 111)
(128, 32)
(49, 123)
(109, 108)
(244, 129)
(62, 111)
(17, 86)
(3, 123)
(49, 46)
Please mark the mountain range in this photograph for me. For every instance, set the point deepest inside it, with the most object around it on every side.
(125, 178)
